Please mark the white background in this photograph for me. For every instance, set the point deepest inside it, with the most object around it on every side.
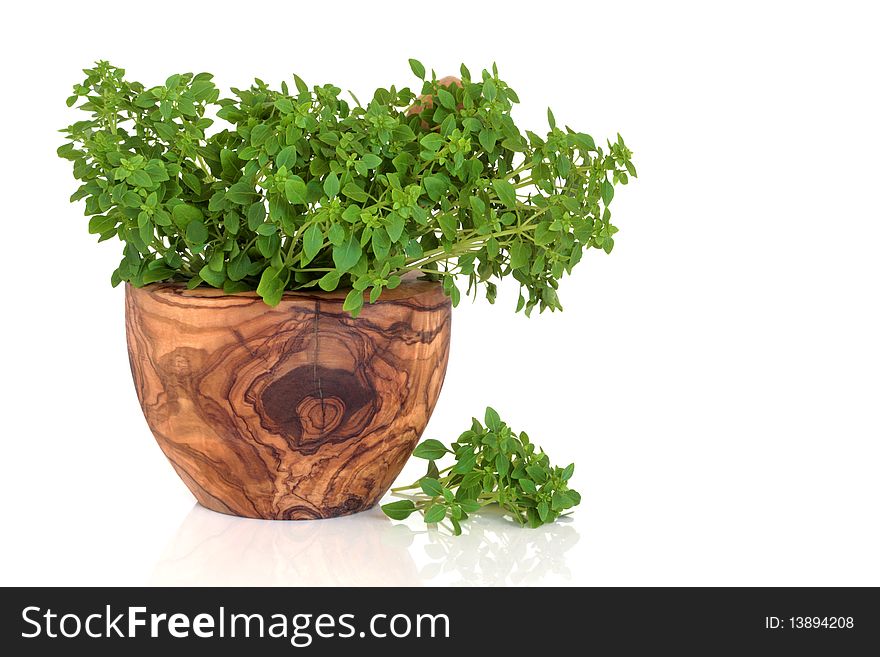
(716, 379)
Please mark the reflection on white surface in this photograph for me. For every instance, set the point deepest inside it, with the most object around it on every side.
(366, 549)
(497, 552)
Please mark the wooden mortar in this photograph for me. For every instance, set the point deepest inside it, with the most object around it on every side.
(292, 412)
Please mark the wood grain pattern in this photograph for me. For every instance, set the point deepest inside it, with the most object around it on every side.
(292, 412)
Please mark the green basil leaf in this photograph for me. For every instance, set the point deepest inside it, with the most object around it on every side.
(399, 510)
(313, 240)
(431, 486)
(295, 190)
(430, 449)
(196, 232)
(417, 68)
(347, 254)
(506, 192)
(354, 192)
(331, 185)
(435, 514)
